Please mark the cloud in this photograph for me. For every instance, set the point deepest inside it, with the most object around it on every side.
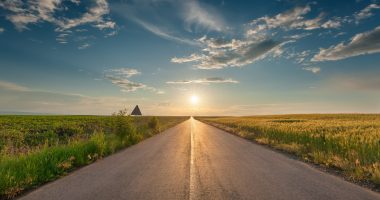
(288, 20)
(84, 46)
(12, 86)
(161, 33)
(199, 15)
(127, 72)
(219, 53)
(120, 77)
(193, 57)
(314, 70)
(125, 84)
(360, 44)
(105, 25)
(21, 14)
(332, 24)
(366, 12)
(1, 30)
(264, 36)
(204, 81)
(299, 57)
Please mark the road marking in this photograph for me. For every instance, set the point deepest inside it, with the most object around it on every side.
(191, 192)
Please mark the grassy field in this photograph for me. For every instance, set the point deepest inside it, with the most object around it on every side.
(347, 142)
(38, 149)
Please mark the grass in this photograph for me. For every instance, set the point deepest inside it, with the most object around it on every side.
(38, 149)
(349, 143)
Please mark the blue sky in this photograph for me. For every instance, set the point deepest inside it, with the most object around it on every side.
(238, 57)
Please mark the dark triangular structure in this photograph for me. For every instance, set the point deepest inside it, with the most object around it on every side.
(136, 111)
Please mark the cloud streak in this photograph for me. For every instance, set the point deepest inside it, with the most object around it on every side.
(120, 77)
(361, 44)
(12, 87)
(204, 81)
(161, 33)
(199, 15)
(288, 20)
(366, 12)
(314, 70)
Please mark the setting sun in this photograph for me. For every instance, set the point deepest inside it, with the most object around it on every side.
(194, 99)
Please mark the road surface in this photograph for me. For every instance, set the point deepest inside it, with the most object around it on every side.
(197, 161)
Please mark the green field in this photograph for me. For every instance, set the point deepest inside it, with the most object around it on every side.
(349, 143)
(38, 149)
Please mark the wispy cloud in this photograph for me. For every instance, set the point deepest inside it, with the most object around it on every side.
(366, 12)
(5, 85)
(120, 77)
(2, 29)
(204, 81)
(314, 70)
(291, 19)
(360, 44)
(202, 16)
(192, 58)
(332, 23)
(219, 53)
(161, 33)
(84, 46)
(127, 72)
(18, 98)
(21, 14)
(263, 37)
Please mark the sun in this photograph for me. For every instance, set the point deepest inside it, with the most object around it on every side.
(194, 99)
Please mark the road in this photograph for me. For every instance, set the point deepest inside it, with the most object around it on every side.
(197, 161)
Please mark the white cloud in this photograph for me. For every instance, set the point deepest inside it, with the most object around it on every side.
(127, 72)
(314, 70)
(105, 25)
(360, 44)
(84, 46)
(204, 81)
(199, 15)
(126, 85)
(366, 12)
(94, 15)
(332, 24)
(120, 77)
(219, 53)
(291, 19)
(193, 57)
(1, 30)
(21, 14)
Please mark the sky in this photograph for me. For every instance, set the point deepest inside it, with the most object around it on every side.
(237, 57)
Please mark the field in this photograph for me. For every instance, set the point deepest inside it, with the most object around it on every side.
(349, 143)
(38, 149)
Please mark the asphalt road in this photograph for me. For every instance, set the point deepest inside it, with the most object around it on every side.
(196, 161)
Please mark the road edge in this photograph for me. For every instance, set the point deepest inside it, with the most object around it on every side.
(335, 172)
(26, 192)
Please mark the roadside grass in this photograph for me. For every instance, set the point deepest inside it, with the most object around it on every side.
(38, 149)
(349, 143)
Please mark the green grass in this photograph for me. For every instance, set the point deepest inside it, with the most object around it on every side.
(346, 142)
(38, 149)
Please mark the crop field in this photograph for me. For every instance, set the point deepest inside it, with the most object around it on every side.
(349, 143)
(38, 149)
